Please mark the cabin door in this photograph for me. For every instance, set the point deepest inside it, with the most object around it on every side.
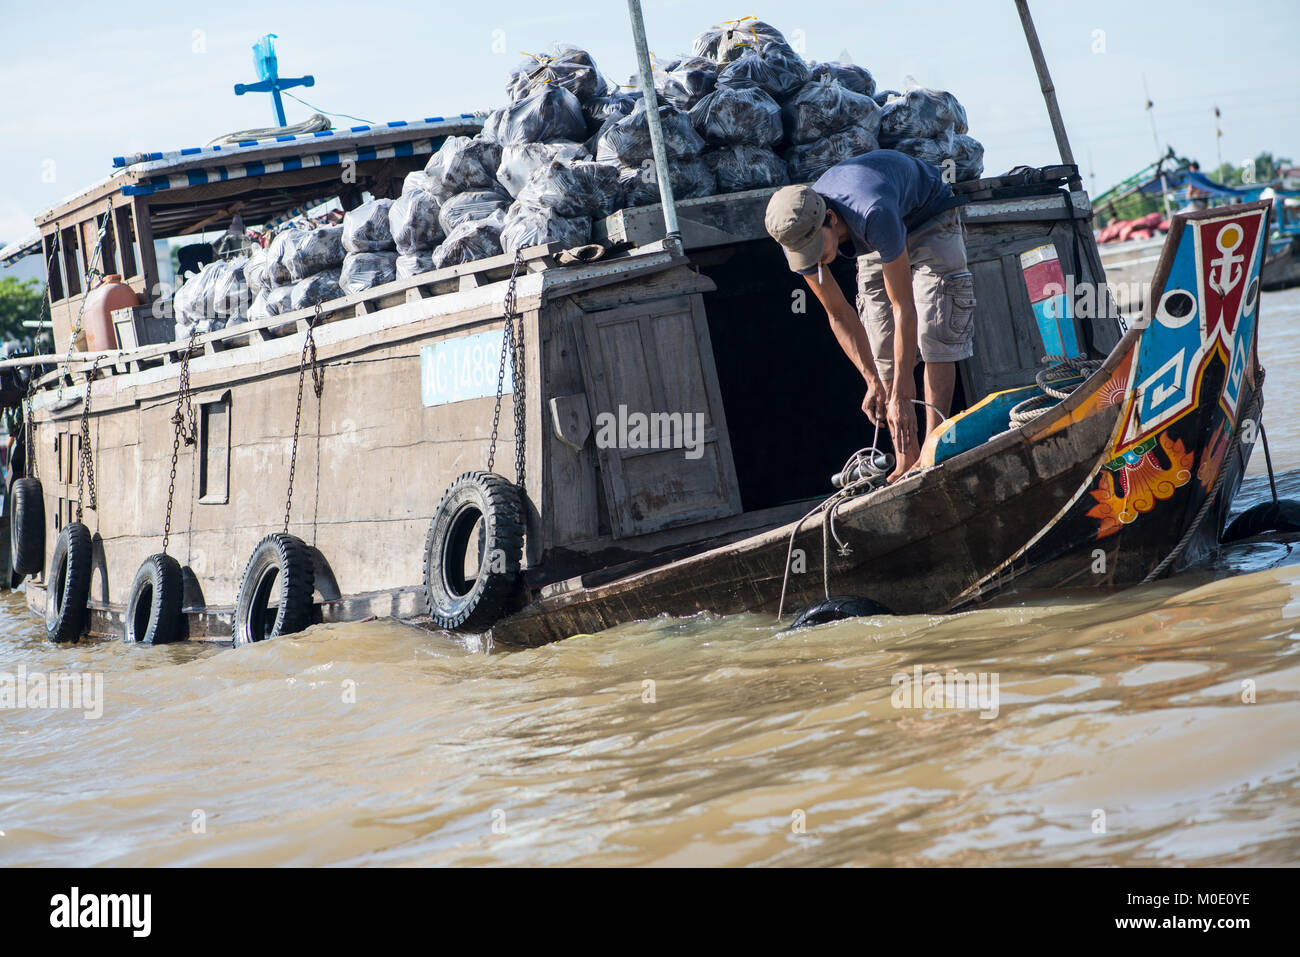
(656, 413)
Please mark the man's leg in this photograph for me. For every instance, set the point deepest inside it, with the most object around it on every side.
(877, 315)
(940, 377)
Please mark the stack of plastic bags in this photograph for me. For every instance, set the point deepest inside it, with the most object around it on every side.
(371, 258)
(931, 125)
(214, 297)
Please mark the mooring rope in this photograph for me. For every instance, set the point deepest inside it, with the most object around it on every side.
(1063, 369)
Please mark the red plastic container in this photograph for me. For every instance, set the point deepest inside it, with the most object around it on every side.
(97, 322)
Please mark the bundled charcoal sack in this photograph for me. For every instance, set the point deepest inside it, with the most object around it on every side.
(278, 299)
(257, 273)
(739, 37)
(471, 240)
(579, 188)
(414, 263)
(317, 288)
(309, 251)
(960, 125)
(777, 71)
(691, 179)
(810, 160)
(549, 114)
(491, 129)
(470, 206)
(366, 229)
(361, 271)
(935, 150)
(738, 168)
(884, 97)
(230, 298)
(192, 301)
(602, 109)
(688, 82)
(969, 155)
(463, 164)
(731, 117)
(847, 75)
(413, 218)
(276, 269)
(920, 114)
(258, 309)
(529, 225)
(824, 107)
(518, 161)
(628, 139)
(567, 68)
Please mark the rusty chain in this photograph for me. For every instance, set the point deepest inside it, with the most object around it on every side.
(318, 386)
(86, 471)
(186, 428)
(512, 345)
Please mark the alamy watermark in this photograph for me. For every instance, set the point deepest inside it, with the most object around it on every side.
(651, 430)
(951, 690)
(73, 691)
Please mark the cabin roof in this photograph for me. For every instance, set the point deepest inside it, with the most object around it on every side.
(286, 174)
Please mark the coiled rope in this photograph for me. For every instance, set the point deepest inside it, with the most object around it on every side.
(1051, 384)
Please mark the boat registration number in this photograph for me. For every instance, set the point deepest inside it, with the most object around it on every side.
(463, 368)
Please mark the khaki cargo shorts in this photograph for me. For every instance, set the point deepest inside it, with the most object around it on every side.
(942, 287)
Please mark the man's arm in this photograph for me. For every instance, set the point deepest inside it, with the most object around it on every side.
(901, 414)
(852, 337)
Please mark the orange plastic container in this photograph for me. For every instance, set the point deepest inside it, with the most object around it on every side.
(97, 322)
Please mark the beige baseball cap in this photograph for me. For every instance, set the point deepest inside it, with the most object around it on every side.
(794, 219)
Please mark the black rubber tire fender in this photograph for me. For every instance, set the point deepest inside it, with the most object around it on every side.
(153, 608)
(27, 526)
(67, 587)
(1280, 516)
(454, 602)
(281, 557)
(837, 608)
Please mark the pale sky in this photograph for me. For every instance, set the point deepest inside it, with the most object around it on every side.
(87, 81)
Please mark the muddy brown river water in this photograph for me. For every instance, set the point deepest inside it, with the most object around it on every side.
(1155, 726)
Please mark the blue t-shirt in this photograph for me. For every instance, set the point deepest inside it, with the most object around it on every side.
(881, 196)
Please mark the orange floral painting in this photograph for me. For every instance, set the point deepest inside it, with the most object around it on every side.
(1132, 484)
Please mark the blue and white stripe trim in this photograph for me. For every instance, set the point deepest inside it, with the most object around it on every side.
(176, 156)
(217, 174)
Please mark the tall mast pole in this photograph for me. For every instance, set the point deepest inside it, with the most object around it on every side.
(674, 236)
(1049, 92)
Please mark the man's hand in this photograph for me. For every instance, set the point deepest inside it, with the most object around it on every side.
(902, 426)
(875, 402)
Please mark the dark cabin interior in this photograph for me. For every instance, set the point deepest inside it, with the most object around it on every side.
(793, 399)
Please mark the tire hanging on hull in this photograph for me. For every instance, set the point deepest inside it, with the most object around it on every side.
(153, 610)
(68, 585)
(27, 527)
(281, 558)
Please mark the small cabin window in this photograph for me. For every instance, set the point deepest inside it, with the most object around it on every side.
(214, 451)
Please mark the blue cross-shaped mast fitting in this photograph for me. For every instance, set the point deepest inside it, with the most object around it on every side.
(270, 80)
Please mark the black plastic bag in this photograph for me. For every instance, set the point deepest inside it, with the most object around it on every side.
(361, 271)
(257, 273)
(414, 263)
(739, 37)
(307, 252)
(921, 114)
(549, 114)
(470, 206)
(580, 188)
(602, 109)
(809, 161)
(824, 107)
(968, 154)
(882, 97)
(732, 117)
(192, 301)
(230, 297)
(413, 219)
(528, 225)
(312, 290)
(628, 139)
(935, 150)
(463, 164)
(366, 229)
(258, 308)
(848, 75)
(742, 167)
(690, 176)
(688, 82)
(520, 160)
(567, 68)
(275, 300)
(277, 270)
(777, 71)
(471, 240)
(491, 129)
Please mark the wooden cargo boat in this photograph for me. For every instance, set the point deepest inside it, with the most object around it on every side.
(341, 455)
